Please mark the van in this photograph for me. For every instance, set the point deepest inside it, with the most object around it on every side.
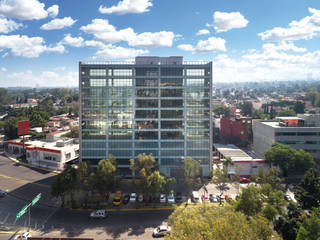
(195, 197)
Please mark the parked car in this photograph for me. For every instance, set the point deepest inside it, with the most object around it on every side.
(117, 198)
(98, 214)
(24, 236)
(2, 193)
(245, 180)
(161, 231)
(288, 198)
(213, 198)
(126, 199)
(163, 198)
(178, 197)
(140, 198)
(171, 198)
(205, 198)
(133, 197)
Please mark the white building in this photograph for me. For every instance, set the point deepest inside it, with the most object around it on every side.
(244, 165)
(51, 155)
(301, 132)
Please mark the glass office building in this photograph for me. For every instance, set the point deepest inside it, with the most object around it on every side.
(158, 105)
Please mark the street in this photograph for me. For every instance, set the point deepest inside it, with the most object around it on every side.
(23, 184)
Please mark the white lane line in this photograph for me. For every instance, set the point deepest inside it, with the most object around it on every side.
(6, 218)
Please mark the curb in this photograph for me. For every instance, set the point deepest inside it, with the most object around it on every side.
(125, 209)
(29, 165)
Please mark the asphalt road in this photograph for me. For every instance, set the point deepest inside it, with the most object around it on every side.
(23, 184)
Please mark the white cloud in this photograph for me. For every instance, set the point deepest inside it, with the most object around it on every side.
(53, 11)
(223, 21)
(25, 10)
(3, 69)
(45, 78)
(127, 6)
(103, 31)
(72, 41)
(306, 28)
(24, 46)
(274, 62)
(186, 47)
(7, 25)
(203, 32)
(117, 52)
(58, 23)
(151, 40)
(211, 45)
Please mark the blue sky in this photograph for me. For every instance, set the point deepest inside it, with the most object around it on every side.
(41, 42)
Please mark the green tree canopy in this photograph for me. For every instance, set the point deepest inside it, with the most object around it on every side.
(310, 226)
(209, 222)
(288, 158)
(222, 110)
(246, 108)
(250, 201)
(308, 191)
(299, 107)
(287, 113)
(191, 167)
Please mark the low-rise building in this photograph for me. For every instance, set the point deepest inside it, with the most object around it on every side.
(302, 132)
(51, 155)
(243, 164)
(236, 127)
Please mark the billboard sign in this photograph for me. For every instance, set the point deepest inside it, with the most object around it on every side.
(23, 127)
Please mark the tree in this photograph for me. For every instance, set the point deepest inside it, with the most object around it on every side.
(249, 202)
(259, 114)
(310, 226)
(143, 167)
(158, 183)
(308, 191)
(191, 170)
(287, 113)
(288, 158)
(216, 223)
(299, 107)
(191, 167)
(246, 108)
(222, 110)
(288, 224)
(59, 187)
(106, 176)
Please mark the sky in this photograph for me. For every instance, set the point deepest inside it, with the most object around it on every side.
(42, 41)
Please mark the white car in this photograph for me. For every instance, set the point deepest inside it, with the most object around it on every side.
(161, 231)
(163, 198)
(171, 198)
(98, 214)
(133, 197)
(24, 236)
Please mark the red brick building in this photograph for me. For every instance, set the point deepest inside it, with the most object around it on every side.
(236, 127)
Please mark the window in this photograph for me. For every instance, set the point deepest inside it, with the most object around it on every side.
(115, 82)
(172, 114)
(198, 124)
(171, 124)
(172, 103)
(147, 93)
(197, 82)
(97, 82)
(172, 93)
(98, 72)
(146, 82)
(146, 113)
(195, 72)
(146, 135)
(171, 71)
(122, 72)
(146, 124)
(116, 103)
(68, 155)
(147, 72)
(171, 82)
(146, 103)
(120, 135)
(120, 124)
(172, 135)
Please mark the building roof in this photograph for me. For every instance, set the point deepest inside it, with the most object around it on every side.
(235, 153)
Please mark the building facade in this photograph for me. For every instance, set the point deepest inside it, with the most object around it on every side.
(46, 154)
(155, 105)
(301, 132)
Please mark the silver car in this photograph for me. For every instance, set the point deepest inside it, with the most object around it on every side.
(161, 231)
(98, 214)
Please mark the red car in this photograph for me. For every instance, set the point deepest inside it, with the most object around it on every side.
(245, 180)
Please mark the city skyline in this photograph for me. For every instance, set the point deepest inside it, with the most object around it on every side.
(42, 42)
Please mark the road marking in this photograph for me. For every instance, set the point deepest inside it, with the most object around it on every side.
(6, 218)
(23, 180)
